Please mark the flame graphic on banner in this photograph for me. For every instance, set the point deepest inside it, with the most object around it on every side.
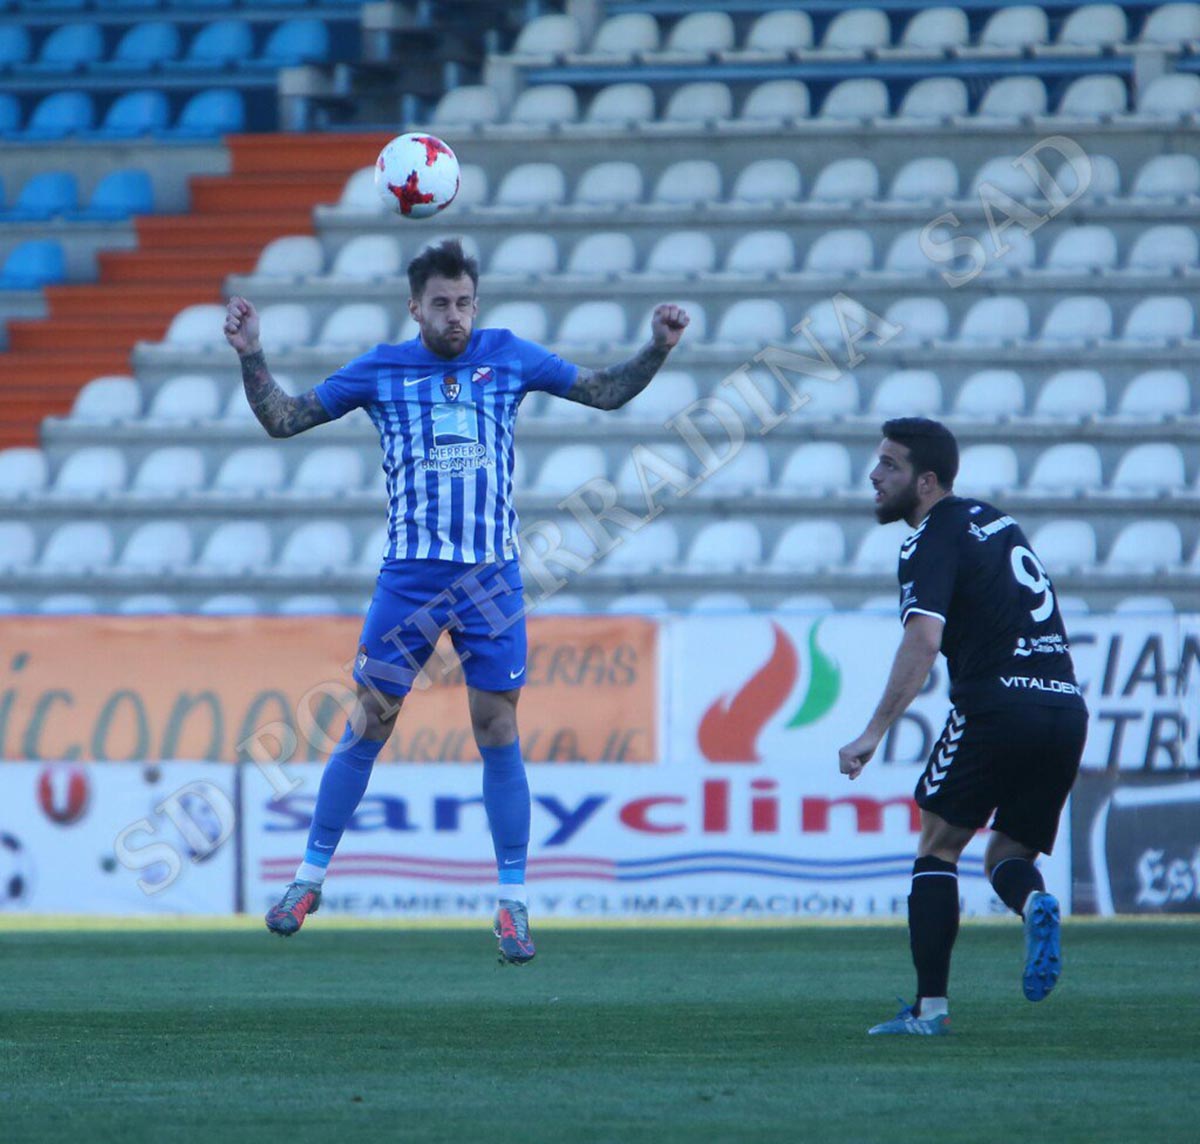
(824, 684)
(730, 727)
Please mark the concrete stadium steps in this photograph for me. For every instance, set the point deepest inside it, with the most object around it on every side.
(152, 269)
(139, 300)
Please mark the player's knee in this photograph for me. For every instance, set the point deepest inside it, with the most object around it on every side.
(379, 713)
(494, 723)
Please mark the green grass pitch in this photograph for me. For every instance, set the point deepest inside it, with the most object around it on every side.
(179, 1033)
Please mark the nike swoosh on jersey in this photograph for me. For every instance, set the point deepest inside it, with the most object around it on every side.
(416, 380)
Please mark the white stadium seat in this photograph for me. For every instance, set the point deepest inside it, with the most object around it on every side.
(920, 321)
(1170, 97)
(1154, 395)
(631, 604)
(253, 470)
(1063, 545)
(747, 471)
(986, 469)
(147, 604)
(472, 186)
(366, 257)
(625, 36)
(359, 196)
(236, 546)
(688, 182)
(806, 603)
(593, 324)
(1094, 26)
(995, 322)
(669, 393)
(857, 30)
(725, 546)
(285, 325)
(611, 184)
(621, 105)
(879, 551)
(1168, 177)
(653, 547)
(329, 470)
(467, 106)
(816, 468)
(545, 106)
(846, 181)
(780, 31)
(990, 394)
(924, 180)
(1077, 320)
(846, 250)
(602, 255)
(1083, 249)
(1144, 547)
(907, 252)
(1019, 251)
(197, 327)
(767, 181)
(1012, 99)
(809, 546)
(701, 33)
(93, 471)
(856, 100)
(1066, 469)
(908, 393)
(934, 99)
(17, 545)
(525, 319)
(191, 397)
(1160, 320)
(1016, 28)
(1144, 606)
(682, 253)
(1164, 250)
(525, 255)
(719, 604)
(78, 545)
(229, 604)
(1094, 97)
(318, 545)
(67, 604)
(1171, 25)
(1071, 394)
(1005, 174)
(315, 604)
(532, 185)
(107, 399)
(777, 101)
(1101, 175)
(651, 464)
(936, 29)
(157, 546)
(762, 252)
(355, 326)
(698, 103)
(23, 470)
(173, 470)
(1151, 469)
(827, 399)
(752, 322)
(295, 256)
(567, 467)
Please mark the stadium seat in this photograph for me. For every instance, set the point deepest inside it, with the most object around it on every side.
(1171, 178)
(567, 467)
(856, 100)
(748, 471)
(314, 604)
(157, 546)
(846, 250)
(545, 106)
(1094, 26)
(1082, 250)
(147, 604)
(192, 397)
(925, 180)
(602, 255)
(10, 115)
(991, 394)
(67, 604)
(219, 44)
(724, 546)
(986, 469)
(16, 46)
(1155, 395)
(779, 32)
(78, 546)
(1103, 179)
(532, 185)
(933, 100)
(753, 323)
(32, 264)
(134, 114)
(1144, 606)
(761, 252)
(93, 471)
(17, 545)
(777, 101)
(1065, 545)
(919, 321)
(1164, 250)
(995, 322)
(209, 114)
(143, 47)
(1064, 470)
(197, 327)
(1077, 320)
(467, 107)
(546, 37)
(879, 551)
(355, 326)
(359, 196)
(809, 546)
(621, 106)
(117, 196)
(816, 468)
(682, 254)
(764, 181)
(622, 37)
(608, 185)
(1012, 99)
(850, 180)
(908, 393)
(22, 471)
(936, 30)
(1005, 174)
(857, 30)
(44, 196)
(68, 48)
(293, 43)
(251, 471)
(284, 325)
(1017, 251)
(1071, 395)
(1094, 97)
(700, 34)
(719, 604)
(907, 253)
(291, 257)
(525, 255)
(630, 604)
(593, 324)
(236, 546)
(329, 470)
(1146, 547)
(318, 546)
(1170, 97)
(104, 400)
(804, 603)
(367, 257)
(1171, 25)
(1151, 469)
(1015, 29)
(525, 319)
(669, 393)
(174, 470)
(697, 104)
(374, 546)
(689, 182)
(1160, 321)
(652, 548)
(229, 604)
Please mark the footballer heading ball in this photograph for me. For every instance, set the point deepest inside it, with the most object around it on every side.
(416, 175)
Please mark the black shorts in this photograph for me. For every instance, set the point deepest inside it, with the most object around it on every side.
(1018, 762)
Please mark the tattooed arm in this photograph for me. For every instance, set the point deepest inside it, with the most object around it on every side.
(280, 414)
(612, 387)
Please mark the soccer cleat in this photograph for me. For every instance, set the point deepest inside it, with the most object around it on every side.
(906, 1021)
(511, 926)
(299, 900)
(1043, 946)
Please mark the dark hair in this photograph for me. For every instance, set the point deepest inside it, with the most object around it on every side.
(930, 444)
(445, 260)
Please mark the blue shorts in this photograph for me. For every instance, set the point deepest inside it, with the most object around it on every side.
(480, 605)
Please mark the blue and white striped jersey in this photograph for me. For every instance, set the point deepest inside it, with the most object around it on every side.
(446, 427)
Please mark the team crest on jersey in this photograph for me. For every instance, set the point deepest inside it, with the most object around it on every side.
(450, 387)
(482, 375)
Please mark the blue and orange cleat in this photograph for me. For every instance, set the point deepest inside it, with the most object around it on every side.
(299, 900)
(511, 926)
(1043, 946)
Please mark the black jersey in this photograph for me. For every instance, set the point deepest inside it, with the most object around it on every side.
(970, 565)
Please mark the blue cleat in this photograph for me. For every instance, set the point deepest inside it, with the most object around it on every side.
(1043, 946)
(907, 1022)
(299, 900)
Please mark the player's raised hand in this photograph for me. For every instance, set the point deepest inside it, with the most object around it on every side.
(667, 325)
(241, 325)
(854, 756)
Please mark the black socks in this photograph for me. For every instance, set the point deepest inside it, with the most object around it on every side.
(933, 923)
(1014, 880)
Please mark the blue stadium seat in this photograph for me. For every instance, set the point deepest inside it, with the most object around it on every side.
(131, 5)
(143, 47)
(45, 195)
(208, 114)
(217, 45)
(205, 5)
(33, 264)
(292, 43)
(133, 114)
(118, 195)
(68, 48)
(15, 46)
(10, 113)
(53, 5)
(60, 114)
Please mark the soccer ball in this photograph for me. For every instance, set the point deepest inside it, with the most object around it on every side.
(416, 175)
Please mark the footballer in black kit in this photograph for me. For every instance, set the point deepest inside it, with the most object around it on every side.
(972, 587)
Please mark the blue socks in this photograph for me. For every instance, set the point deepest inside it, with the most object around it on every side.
(343, 784)
(506, 800)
